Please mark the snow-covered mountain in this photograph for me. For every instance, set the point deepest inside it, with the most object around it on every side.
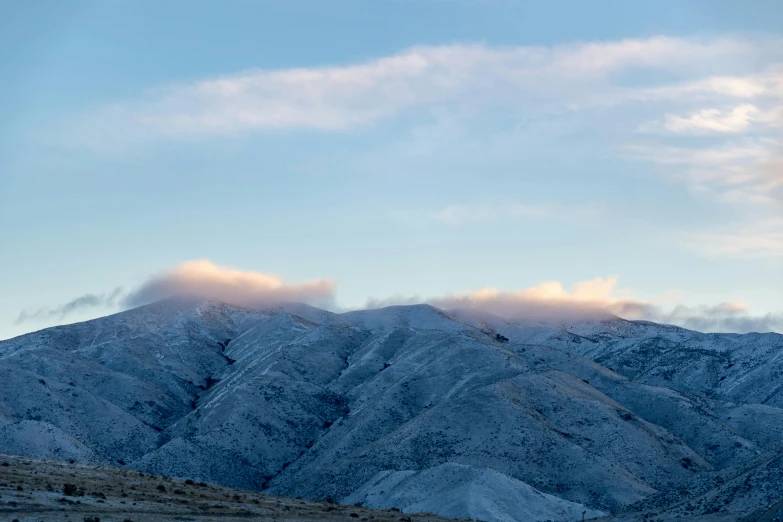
(411, 407)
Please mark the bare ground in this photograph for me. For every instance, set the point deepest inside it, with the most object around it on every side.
(36, 490)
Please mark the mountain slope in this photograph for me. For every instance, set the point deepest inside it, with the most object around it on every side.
(35, 490)
(408, 407)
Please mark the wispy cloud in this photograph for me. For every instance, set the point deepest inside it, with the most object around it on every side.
(81, 303)
(724, 317)
(720, 86)
(742, 171)
(707, 121)
(764, 83)
(530, 77)
(728, 86)
(732, 120)
(752, 240)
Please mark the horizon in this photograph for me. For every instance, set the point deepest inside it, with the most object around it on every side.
(473, 313)
(558, 159)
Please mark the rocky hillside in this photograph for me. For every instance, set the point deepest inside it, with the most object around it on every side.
(410, 407)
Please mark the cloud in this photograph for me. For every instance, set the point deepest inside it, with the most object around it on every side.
(735, 120)
(715, 86)
(203, 278)
(713, 120)
(598, 298)
(758, 239)
(347, 96)
(724, 317)
(395, 300)
(86, 301)
(767, 84)
(747, 171)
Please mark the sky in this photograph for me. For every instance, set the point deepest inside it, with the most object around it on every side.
(510, 156)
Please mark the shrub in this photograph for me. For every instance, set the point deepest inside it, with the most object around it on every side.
(69, 489)
(161, 488)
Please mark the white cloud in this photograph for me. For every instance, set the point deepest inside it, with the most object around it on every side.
(724, 86)
(738, 119)
(713, 120)
(527, 80)
(347, 96)
(767, 84)
(744, 171)
(759, 239)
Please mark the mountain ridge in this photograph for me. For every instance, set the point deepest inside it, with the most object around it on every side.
(300, 401)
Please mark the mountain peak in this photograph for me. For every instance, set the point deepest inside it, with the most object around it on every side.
(419, 316)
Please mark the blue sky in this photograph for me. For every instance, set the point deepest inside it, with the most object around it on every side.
(401, 150)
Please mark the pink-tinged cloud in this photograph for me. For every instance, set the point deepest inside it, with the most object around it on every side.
(203, 278)
(597, 298)
(550, 300)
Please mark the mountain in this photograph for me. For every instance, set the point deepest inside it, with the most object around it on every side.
(451, 412)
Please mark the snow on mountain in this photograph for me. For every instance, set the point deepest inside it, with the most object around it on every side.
(408, 406)
(457, 490)
(418, 317)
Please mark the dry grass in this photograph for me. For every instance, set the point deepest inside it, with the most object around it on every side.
(34, 490)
